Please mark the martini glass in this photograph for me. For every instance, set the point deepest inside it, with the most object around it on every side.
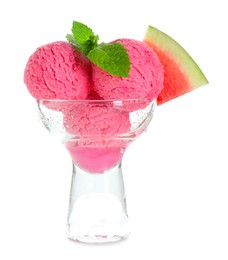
(96, 134)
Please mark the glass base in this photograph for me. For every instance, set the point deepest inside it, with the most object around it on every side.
(97, 210)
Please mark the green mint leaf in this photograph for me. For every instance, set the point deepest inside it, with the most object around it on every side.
(84, 38)
(84, 48)
(112, 58)
(81, 32)
(70, 38)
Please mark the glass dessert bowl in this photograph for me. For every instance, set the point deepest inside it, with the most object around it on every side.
(96, 134)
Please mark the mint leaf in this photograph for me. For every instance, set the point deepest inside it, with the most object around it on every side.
(84, 37)
(70, 38)
(112, 58)
(81, 32)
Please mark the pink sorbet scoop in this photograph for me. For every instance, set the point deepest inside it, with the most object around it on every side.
(145, 79)
(58, 71)
(96, 128)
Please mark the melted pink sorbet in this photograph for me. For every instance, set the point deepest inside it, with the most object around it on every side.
(96, 159)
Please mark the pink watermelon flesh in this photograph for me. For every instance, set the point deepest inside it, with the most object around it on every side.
(176, 83)
(181, 73)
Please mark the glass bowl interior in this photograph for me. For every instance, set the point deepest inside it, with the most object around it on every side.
(96, 119)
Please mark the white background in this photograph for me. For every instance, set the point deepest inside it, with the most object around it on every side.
(175, 175)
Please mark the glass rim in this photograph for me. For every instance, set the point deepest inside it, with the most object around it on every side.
(95, 100)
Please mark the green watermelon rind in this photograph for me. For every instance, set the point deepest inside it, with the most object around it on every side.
(177, 53)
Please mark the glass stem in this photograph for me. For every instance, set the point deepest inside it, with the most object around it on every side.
(97, 207)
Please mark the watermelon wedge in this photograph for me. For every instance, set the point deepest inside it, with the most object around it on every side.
(181, 73)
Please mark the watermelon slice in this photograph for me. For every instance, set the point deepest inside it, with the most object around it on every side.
(181, 73)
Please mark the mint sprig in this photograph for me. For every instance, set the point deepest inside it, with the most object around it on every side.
(111, 57)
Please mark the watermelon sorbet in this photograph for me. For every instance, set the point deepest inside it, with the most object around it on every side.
(95, 159)
(97, 128)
